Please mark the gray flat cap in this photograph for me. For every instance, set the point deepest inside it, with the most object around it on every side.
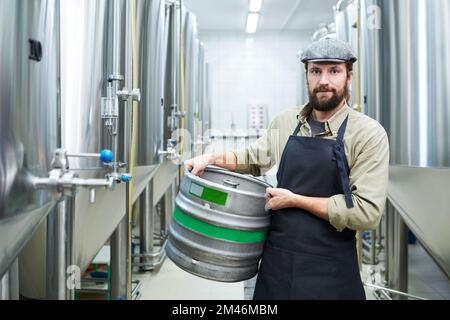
(332, 50)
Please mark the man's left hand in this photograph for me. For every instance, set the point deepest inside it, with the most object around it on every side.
(278, 199)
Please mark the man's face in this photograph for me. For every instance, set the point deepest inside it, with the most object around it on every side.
(328, 84)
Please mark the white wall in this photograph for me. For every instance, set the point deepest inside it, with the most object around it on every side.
(251, 69)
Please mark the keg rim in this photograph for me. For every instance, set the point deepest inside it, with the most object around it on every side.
(215, 169)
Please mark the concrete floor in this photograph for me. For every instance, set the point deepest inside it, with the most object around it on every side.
(171, 283)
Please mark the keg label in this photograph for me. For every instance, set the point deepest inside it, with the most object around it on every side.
(208, 194)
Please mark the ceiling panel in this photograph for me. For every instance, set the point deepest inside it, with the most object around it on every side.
(276, 15)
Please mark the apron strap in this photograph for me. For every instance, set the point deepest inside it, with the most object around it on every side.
(342, 164)
(297, 129)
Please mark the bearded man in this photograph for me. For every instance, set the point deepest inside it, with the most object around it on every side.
(332, 182)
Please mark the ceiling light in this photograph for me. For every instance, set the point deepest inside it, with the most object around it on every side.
(255, 5)
(252, 22)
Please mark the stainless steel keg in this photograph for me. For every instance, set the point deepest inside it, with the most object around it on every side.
(219, 225)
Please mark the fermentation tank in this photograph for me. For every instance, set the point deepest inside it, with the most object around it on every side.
(191, 61)
(172, 76)
(29, 95)
(153, 51)
(152, 48)
(405, 49)
(93, 49)
(346, 19)
(302, 86)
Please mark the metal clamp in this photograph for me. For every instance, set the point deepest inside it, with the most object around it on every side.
(125, 94)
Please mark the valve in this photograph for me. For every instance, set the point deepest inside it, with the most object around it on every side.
(171, 152)
(61, 181)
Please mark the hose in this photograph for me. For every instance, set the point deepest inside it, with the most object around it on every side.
(358, 88)
(134, 112)
(183, 106)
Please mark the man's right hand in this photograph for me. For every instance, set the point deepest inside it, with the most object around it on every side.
(198, 165)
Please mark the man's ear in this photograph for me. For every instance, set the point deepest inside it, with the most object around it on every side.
(350, 77)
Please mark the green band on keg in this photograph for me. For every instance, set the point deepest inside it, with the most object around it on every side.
(208, 194)
(213, 231)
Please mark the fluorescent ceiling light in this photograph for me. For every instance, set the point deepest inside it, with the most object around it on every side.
(255, 5)
(252, 22)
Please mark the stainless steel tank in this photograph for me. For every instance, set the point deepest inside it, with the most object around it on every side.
(302, 86)
(346, 19)
(405, 47)
(206, 113)
(152, 48)
(172, 76)
(153, 51)
(199, 130)
(219, 225)
(93, 44)
(191, 52)
(29, 89)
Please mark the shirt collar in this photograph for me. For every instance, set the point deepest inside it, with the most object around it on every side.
(333, 124)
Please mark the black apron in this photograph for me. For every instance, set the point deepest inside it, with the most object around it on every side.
(304, 256)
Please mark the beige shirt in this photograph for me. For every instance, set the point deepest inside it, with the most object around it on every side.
(367, 152)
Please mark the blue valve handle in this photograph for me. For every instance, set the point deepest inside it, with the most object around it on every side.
(125, 178)
(106, 156)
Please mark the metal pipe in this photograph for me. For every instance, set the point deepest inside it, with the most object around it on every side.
(14, 280)
(393, 291)
(119, 261)
(70, 182)
(373, 247)
(146, 226)
(389, 256)
(400, 279)
(60, 253)
(4, 287)
(116, 37)
(168, 207)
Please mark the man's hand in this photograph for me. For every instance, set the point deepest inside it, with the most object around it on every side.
(198, 165)
(278, 199)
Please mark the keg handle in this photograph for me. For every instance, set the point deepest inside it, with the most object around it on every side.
(231, 183)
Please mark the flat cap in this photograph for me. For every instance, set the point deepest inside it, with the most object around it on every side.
(328, 49)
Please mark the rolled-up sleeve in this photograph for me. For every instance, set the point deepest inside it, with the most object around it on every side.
(368, 183)
(259, 154)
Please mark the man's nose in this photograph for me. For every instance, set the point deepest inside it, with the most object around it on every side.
(324, 79)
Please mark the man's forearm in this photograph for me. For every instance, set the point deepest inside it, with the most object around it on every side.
(225, 160)
(316, 206)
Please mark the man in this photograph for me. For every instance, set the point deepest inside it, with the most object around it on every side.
(332, 181)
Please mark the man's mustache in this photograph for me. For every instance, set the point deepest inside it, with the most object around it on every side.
(324, 89)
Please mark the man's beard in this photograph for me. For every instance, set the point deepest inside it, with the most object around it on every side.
(329, 104)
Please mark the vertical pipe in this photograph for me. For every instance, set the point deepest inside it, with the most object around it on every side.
(168, 209)
(116, 50)
(389, 243)
(116, 36)
(400, 279)
(146, 227)
(60, 252)
(4, 287)
(14, 280)
(118, 262)
(373, 247)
